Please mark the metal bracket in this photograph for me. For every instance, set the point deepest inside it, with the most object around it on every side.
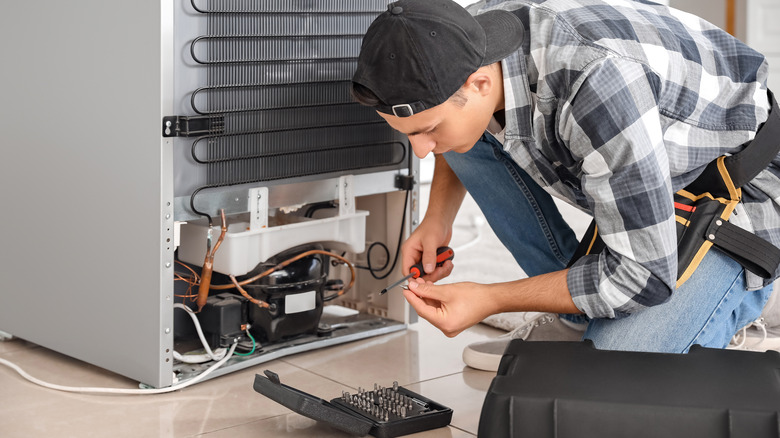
(346, 195)
(191, 126)
(258, 208)
(5, 336)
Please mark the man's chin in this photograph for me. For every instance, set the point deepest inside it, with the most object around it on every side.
(462, 149)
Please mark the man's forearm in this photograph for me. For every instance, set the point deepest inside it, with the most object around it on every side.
(447, 192)
(542, 293)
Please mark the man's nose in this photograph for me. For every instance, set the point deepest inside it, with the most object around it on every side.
(421, 145)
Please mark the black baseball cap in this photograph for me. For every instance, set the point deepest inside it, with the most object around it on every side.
(418, 53)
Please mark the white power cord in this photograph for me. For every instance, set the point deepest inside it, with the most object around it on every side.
(89, 390)
(221, 356)
(199, 358)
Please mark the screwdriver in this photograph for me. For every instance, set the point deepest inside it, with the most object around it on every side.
(443, 253)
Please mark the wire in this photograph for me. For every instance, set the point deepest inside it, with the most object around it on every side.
(192, 280)
(319, 206)
(196, 211)
(90, 390)
(370, 268)
(211, 354)
(254, 344)
(398, 247)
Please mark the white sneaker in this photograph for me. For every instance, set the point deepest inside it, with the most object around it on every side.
(756, 336)
(536, 326)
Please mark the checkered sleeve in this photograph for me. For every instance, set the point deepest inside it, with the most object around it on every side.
(612, 125)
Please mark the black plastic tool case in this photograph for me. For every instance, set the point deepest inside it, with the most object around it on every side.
(425, 415)
(571, 389)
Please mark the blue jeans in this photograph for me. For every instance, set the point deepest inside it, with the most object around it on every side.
(706, 310)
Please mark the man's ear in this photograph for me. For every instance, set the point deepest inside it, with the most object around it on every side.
(480, 82)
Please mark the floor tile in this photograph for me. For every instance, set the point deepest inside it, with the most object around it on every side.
(420, 353)
(15, 344)
(462, 392)
(213, 405)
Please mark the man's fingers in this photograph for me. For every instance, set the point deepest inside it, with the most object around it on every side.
(440, 272)
(425, 290)
(429, 259)
(425, 310)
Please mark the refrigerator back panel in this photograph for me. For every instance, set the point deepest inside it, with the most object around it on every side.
(271, 82)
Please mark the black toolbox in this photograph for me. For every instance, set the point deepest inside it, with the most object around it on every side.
(572, 389)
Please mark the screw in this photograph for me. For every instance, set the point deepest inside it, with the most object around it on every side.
(167, 330)
(167, 264)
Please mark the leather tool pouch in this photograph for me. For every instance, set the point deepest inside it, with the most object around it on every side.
(703, 208)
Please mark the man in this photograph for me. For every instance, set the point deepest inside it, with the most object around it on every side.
(611, 106)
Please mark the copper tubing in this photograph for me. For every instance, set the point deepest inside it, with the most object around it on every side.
(208, 265)
(287, 262)
(246, 295)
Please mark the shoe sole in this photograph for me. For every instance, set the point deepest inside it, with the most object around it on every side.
(481, 361)
(772, 343)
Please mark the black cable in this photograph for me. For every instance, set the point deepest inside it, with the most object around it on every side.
(368, 258)
(194, 210)
(397, 250)
(319, 206)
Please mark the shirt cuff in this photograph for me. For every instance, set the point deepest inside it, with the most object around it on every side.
(583, 282)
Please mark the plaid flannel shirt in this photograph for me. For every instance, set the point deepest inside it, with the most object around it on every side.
(614, 105)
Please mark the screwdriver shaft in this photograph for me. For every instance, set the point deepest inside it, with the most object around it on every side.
(443, 254)
(396, 284)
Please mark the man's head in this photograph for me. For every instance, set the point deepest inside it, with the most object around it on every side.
(421, 54)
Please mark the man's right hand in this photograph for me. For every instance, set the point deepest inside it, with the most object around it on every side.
(421, 247)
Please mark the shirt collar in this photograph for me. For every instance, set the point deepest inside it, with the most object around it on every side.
(517, 97)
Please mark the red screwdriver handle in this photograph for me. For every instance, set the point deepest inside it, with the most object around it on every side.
(443, 253)
(416, 270)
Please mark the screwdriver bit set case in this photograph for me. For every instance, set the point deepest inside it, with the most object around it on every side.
(384, 412)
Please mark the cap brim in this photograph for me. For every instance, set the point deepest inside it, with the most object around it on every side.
(504, 33)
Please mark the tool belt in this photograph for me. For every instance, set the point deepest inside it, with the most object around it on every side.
(702, 210)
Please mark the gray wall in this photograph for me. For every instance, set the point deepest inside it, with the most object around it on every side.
(713, 11)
